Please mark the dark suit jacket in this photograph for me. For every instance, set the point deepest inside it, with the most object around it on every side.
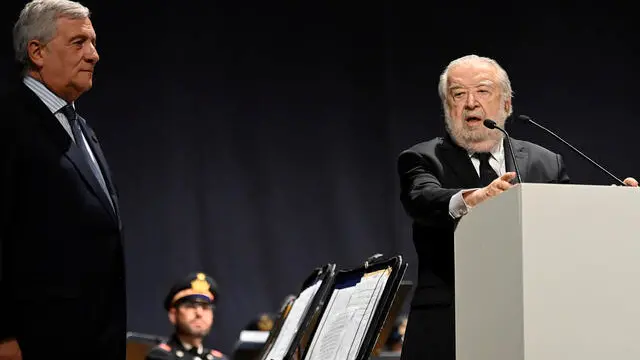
(430, 174)
(62, 285)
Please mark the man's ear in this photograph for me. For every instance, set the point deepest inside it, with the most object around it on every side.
(35, 51)
(507, 106)
(172, 315)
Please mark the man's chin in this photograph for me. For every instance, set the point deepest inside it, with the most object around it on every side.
(482, 146)
(474, 142)
(199, 332)
(83, 85)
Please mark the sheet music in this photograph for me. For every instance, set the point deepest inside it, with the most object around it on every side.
(348, 315)
(292, 322)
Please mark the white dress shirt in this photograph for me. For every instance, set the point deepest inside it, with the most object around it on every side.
(457, 205)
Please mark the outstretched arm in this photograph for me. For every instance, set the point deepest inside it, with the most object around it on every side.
(421, 191)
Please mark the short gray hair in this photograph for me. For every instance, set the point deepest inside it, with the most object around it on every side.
(503, 78)
(37, 21)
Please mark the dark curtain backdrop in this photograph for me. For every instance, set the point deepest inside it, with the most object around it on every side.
(257, 140)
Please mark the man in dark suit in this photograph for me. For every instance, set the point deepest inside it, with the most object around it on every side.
(442, 179)
(62, 285)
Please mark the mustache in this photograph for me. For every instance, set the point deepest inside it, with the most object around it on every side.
(470, 114)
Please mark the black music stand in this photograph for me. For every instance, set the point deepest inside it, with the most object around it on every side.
(359, 303)
(284, 345)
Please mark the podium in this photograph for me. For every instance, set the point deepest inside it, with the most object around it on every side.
(549, 272)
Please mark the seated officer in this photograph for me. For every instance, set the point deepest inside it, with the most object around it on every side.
(190, 304)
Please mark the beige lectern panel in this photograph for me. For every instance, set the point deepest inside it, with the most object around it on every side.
(550, 272)
(581, 272)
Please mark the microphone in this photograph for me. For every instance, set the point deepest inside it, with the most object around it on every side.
(528, 119)
(492, 125)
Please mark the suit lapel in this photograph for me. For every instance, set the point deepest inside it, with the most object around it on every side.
(522, 157)
(458, 161)
(77, 158)
(92, 140)
(60, 137)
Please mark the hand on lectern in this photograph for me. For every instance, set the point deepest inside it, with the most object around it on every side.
(631, 182)
(496, 187)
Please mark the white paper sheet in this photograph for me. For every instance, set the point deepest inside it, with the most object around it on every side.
(292, 322)
(344, 323)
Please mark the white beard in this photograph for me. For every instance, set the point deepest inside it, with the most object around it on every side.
(481, 139)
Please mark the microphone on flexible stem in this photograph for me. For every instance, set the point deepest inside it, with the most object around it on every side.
(492, 125)
(528, 119)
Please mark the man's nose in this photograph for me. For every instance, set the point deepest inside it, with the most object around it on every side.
(471, 102)
(91, 54)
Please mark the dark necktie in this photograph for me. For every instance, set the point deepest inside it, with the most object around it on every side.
(76, 129)
(487, 174)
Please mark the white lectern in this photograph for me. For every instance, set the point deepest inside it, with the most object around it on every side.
(550, 272)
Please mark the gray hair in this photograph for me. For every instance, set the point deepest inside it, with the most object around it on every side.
(37, 21)
(503, 78)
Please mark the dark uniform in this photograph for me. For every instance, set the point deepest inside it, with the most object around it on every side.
(195, 288)
(173, 349)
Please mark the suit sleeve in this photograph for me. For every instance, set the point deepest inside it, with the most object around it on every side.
(421, 192)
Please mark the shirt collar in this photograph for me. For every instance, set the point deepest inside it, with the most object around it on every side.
(53, 102)
(496, 152)
(189, 347)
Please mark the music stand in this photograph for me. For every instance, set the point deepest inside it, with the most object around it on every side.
(359, 304)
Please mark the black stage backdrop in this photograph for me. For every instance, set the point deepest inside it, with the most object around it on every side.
(257, 140)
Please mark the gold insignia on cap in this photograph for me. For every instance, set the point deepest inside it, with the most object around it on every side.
(200, 284)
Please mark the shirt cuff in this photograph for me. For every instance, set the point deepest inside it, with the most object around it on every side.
(457, 206)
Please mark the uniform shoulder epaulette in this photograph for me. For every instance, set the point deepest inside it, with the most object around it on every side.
(217, 355)
(160, 352)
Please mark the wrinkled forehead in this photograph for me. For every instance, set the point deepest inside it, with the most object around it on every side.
(70, 27)
(472, 74)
